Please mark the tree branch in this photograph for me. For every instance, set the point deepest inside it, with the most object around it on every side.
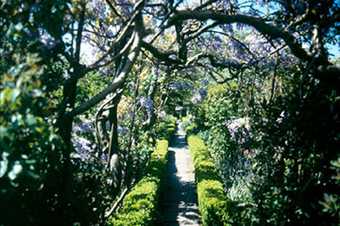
(117, 82)
(162, 56)
(258, 23)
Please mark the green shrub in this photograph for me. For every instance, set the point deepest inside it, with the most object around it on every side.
(189, 125)
(191, 129)
(211, 199)
(140, 205)
(166, 127)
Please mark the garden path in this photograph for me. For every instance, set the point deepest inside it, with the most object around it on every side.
(179, 199)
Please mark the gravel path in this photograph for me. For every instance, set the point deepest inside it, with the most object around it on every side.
(179, 198)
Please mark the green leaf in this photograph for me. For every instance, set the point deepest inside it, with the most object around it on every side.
(3, 132)
(30, 120)
(15, 94)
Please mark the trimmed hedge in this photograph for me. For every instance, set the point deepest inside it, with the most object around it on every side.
(211, 198)
(140, 205)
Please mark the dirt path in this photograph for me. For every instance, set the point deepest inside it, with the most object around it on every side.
(179, 199)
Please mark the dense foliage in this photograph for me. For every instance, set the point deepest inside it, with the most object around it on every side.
(269, 154)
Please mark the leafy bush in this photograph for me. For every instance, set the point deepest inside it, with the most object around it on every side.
(31, 152)
(140, 205)
(189, 125)
(211, 198)
(166, 127)
(191, 129)
(32, 172)
(217, 112)
(272, 160)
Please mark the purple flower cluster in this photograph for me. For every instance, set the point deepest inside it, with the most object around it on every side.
(125, 7)
(202, 92)
(104, 157)
(47, 39)
(156, 70)
(217, 42)
(257, 44)
(83, 148)
(228, 28)
(226, 5)
(99, 8)
(212, 43)
(83, 127)
(147, 104)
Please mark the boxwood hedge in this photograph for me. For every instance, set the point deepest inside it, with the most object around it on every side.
(140, 205)
(211, 198)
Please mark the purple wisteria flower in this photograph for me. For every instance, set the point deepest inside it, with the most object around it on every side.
(104, 157)
(83, 148)
(203, 92)
(147, 104)
(45, 38)
(99, 8)
(258, 45)
(226, 5)
(83, 127)
(125, 6)
(217, 42)
(156, 70)
(228, 28)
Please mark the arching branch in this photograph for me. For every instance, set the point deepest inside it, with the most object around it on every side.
(258, 23)
(116, 83)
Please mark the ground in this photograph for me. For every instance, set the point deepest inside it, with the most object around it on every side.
(179, 199)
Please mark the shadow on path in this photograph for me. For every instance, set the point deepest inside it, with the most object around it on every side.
(179, 198)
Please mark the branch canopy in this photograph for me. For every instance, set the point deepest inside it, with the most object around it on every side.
(259, 24)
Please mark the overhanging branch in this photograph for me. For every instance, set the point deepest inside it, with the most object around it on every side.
(116, 83)
(258, 23)
(162, 56)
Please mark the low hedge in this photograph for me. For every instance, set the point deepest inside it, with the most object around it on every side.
(140, 205)
(211, 198)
